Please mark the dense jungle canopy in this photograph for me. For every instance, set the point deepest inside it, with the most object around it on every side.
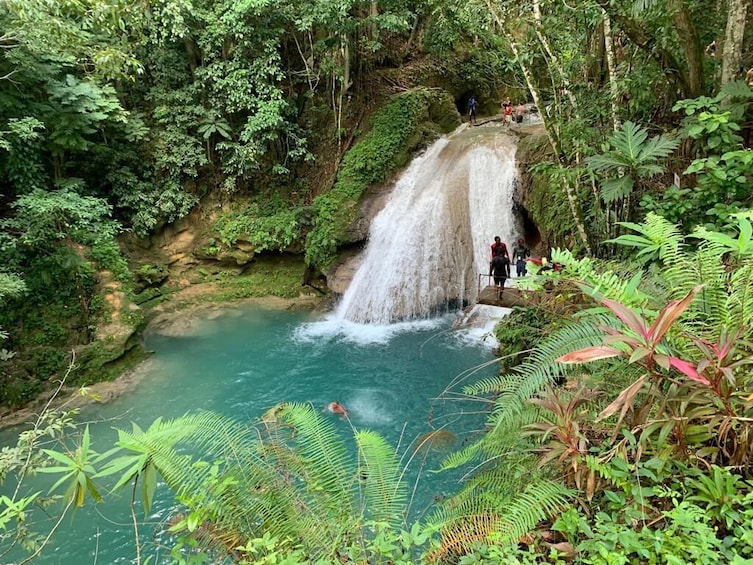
(269, 121)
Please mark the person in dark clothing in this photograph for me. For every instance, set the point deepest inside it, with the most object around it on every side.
(499, 247)
(499, 268)
(472, 106)
(520, 253)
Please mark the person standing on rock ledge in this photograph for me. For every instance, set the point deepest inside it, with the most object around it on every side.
(498, 247)
(472, 106)
(499, 268)
(520, 254)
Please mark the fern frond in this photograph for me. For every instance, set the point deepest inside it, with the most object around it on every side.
(540, 370)
(739, 311)
(289, 476)
(658, 238)
(379, 473)
(601, 280)
(329, 468)
(462, 457)
(540, 501)
(480, 516)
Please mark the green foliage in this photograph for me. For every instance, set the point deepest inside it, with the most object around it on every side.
(665, 410)
(549, 203)
(686, 537)
(272, 275)
(78, 109)
(714, 186)
(715, 121)
(43, 219)
(23, 508)
(22, 164)
(632, 157)
(522, 330)
(76, 469)
(264, 228)
(396, 130)
(312, 491)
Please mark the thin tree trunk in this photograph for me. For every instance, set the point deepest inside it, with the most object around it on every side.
(552, 57)
(737, 13)
(554, 62)
(553, 138)
(614, 92)
(344, 84)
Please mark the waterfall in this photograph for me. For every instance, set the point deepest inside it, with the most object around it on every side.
(432, 239)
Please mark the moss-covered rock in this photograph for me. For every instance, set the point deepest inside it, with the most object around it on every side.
(106, 359)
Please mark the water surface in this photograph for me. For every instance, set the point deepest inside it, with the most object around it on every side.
(392, 379)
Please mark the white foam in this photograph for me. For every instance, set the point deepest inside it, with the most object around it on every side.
(333, 327)
(477, 326)
(370, 406)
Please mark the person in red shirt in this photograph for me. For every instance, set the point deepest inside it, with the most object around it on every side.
(499, 248)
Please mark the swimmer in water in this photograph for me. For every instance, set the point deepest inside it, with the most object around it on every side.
(336, 408)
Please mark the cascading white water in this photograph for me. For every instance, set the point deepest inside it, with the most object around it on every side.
(433, 237)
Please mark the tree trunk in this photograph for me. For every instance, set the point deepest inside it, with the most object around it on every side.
(551, 135)
(552, 57)
(737, 12)
(614, 92)
(691, 45)
(637, 36)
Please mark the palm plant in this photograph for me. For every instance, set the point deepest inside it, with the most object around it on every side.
(290, 477)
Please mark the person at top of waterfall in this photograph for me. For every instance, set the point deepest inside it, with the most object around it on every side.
(472, 107)
(519, 111)
(498, 247)
(508, 112)
(499, 268)
(520, 253)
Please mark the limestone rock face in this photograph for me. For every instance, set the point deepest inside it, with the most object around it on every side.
(342, 272)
